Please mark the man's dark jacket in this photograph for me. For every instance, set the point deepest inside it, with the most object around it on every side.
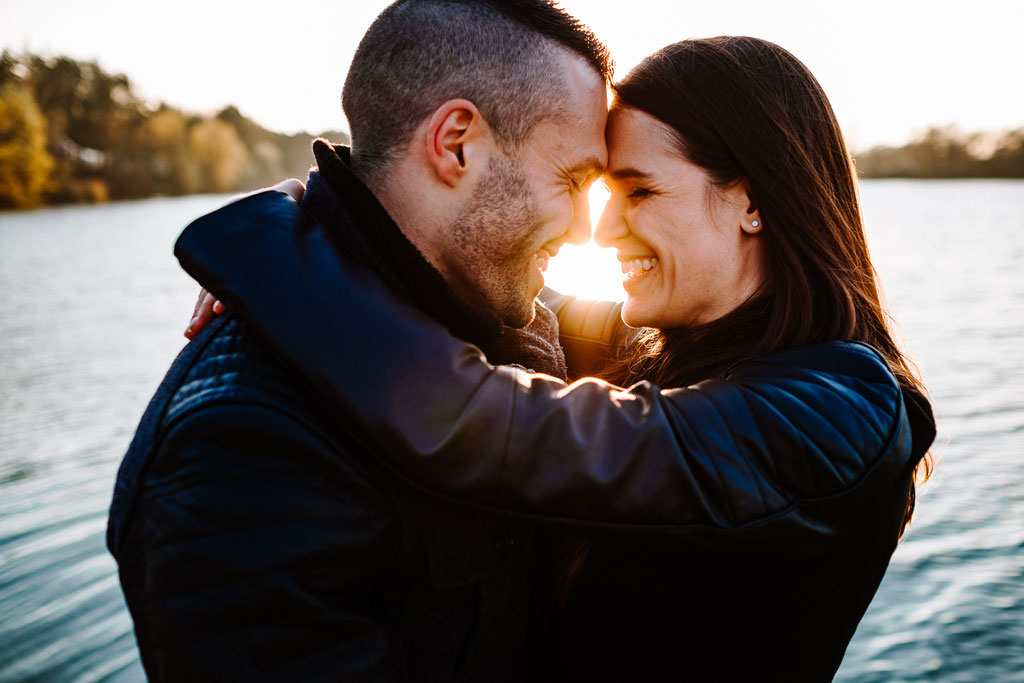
(256, 535)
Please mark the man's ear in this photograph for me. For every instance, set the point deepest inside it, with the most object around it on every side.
(455, 135)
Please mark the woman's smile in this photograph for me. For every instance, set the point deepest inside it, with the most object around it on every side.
(636, 268)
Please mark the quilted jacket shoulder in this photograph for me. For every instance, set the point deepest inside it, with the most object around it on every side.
(224, 365)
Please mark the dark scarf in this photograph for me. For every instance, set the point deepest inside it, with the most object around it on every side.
(373, 238)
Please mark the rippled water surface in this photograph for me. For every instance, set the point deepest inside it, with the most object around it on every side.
(92, 306)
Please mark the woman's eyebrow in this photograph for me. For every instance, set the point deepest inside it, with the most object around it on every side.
(628, 174)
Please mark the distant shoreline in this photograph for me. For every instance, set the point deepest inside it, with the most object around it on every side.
(129, 200)
(75, 134)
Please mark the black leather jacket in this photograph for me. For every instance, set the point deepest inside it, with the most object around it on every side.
(778, 449)
(795, 453)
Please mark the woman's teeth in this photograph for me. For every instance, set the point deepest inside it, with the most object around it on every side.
(638, 266)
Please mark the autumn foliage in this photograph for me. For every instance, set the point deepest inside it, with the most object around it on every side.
(25, 164)
(71, 132)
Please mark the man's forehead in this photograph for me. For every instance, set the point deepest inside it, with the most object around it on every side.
(576, 133)
(586, 104)
(575, 145)
(588, 135)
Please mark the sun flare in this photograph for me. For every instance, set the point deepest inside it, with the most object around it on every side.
(588, 271)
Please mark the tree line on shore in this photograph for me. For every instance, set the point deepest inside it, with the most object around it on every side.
(948, 153)
(71, 132)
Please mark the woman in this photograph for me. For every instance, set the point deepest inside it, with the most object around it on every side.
(741, 501)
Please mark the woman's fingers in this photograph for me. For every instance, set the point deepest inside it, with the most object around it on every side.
(206, 309)
(291, 187)
(208, 305)
(199, 302)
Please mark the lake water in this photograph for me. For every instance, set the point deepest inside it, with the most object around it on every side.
(92, 306)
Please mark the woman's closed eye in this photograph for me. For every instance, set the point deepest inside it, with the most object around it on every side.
(639, 193)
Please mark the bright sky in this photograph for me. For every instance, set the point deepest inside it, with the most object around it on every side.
(890, 67)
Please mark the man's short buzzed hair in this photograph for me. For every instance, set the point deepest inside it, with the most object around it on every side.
(505, 56)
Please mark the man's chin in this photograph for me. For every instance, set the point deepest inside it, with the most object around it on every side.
(520, 315)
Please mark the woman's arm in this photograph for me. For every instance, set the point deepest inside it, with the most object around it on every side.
(592, 333)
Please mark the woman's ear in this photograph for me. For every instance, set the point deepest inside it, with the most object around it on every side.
(751, 222)
(453, 135)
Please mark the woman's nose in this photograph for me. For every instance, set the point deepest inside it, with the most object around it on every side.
(611, 226)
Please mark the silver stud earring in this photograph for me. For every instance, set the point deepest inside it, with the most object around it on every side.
(756, 223)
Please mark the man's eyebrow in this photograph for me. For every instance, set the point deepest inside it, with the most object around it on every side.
(629, 174)
(591, 165)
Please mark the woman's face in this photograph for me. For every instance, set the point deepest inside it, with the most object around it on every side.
(690, 252)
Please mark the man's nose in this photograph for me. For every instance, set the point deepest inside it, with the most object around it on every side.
(611, 226)
(580, 227)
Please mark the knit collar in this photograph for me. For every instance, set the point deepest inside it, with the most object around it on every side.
(372, 236)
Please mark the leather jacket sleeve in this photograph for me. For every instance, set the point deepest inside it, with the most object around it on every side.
(788, 448)
(592, 333)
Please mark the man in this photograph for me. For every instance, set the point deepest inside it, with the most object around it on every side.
(257, 536)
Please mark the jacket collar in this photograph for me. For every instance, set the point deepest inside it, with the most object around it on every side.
(337, 199)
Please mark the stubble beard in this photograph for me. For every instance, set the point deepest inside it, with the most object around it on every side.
(496, 236)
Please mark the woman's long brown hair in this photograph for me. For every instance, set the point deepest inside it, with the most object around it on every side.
(744, 109)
